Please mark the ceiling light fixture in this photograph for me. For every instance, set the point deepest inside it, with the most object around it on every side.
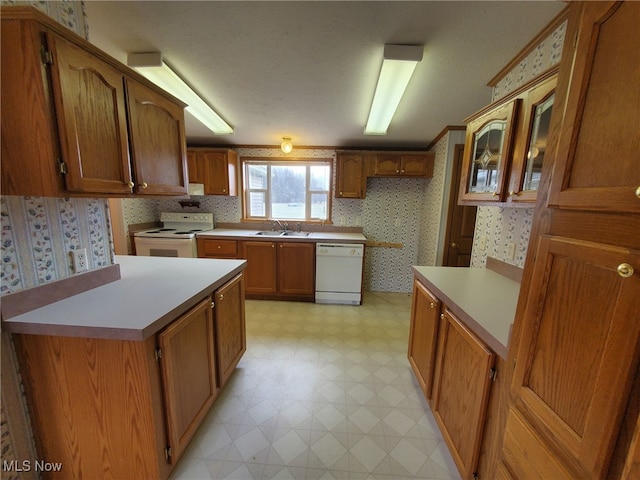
(151, 66)
(286, 146)
(397, 67)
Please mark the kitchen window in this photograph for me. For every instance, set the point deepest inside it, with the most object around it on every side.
(287, 189)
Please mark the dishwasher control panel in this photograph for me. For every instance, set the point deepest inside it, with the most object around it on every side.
(339, 249)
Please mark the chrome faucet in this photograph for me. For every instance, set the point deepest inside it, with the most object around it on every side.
(282, 227)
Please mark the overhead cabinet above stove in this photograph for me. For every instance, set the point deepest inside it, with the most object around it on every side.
(77, 122)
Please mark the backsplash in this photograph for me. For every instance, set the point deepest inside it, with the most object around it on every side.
(499, 225)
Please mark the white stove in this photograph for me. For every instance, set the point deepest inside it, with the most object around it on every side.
(176, 237)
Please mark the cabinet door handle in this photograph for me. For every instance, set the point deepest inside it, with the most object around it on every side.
(454, 245)
(625, 270)
(432, 305)
(221, 297)
(144, 185)
(638, 192)
(131, 184)
(442, 316)
(213, 304)
(495, 193)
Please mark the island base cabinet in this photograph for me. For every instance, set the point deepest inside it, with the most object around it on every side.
(423, 336)
(187, 357)
(230, 327)
(95, 406)
(461, 389)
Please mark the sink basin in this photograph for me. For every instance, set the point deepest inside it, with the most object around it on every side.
(270, 233)
(290, 233)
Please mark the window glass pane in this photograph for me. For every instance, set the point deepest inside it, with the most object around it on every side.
(320, 177)
(288, 191)
(257, 175)
(319, 206)
(257, 204)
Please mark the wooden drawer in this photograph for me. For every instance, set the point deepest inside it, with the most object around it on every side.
(214, 248)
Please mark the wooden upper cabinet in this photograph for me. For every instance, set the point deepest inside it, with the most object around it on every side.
(423, 335)
(194, 168)
(597, 160)
(158, 145)
(461, 388)
(580, 348)
(217, 169)
(188, 367)
(399, 164)
(487, 154)
(75, 121)
(92, 119)
(350, 175)
(531, 142)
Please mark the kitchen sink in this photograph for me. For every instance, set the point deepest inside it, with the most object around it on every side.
(270, 233)
(290, 233)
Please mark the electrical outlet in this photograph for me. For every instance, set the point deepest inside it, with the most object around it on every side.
(80, 260)
(483, 242)
(510, 251)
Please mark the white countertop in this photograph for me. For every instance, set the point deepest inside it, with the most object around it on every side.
(313, 236)
(151, 293)
(482, 299)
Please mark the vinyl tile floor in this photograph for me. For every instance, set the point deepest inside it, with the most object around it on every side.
(322, 392)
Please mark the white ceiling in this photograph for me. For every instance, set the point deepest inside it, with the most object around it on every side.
(308, 69)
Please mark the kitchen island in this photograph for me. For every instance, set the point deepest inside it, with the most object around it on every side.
(460, 326)
(120, 377)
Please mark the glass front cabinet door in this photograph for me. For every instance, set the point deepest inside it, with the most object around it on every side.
(488, 148)
(532, 143)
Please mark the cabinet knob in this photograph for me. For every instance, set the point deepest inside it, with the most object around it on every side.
(213, 304)
(340, 193)
(454, 245)
(144, 185)
(625, 270)
(221, 297)
(512, 193)
(442, 316)
(402, 171)
(495, 193)
(131, 184)
(432, 305)
(638, 192)
(224, 190)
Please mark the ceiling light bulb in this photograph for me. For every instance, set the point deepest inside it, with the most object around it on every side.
(286, 145)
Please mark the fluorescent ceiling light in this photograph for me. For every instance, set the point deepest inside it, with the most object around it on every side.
(397, 68)
(151, 66)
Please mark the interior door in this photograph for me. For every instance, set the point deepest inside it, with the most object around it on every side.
(461, 221)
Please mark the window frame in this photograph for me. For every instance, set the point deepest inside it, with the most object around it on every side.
(276, 161)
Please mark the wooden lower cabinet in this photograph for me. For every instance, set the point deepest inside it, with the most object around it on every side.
(465, 382)
(296, 269)
(423, 336)
(230, 331)
(261, 274)
(108, 408)
(284, 270)
(217, 248)
(461, 391)
(188, 365)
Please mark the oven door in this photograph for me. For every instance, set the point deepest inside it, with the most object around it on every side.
(166, 247)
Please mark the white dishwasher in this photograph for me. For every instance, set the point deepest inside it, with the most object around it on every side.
(339, 273)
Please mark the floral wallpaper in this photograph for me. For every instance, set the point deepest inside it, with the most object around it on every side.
(501, 226)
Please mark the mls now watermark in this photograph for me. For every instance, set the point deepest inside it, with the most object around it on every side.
(28, 466)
